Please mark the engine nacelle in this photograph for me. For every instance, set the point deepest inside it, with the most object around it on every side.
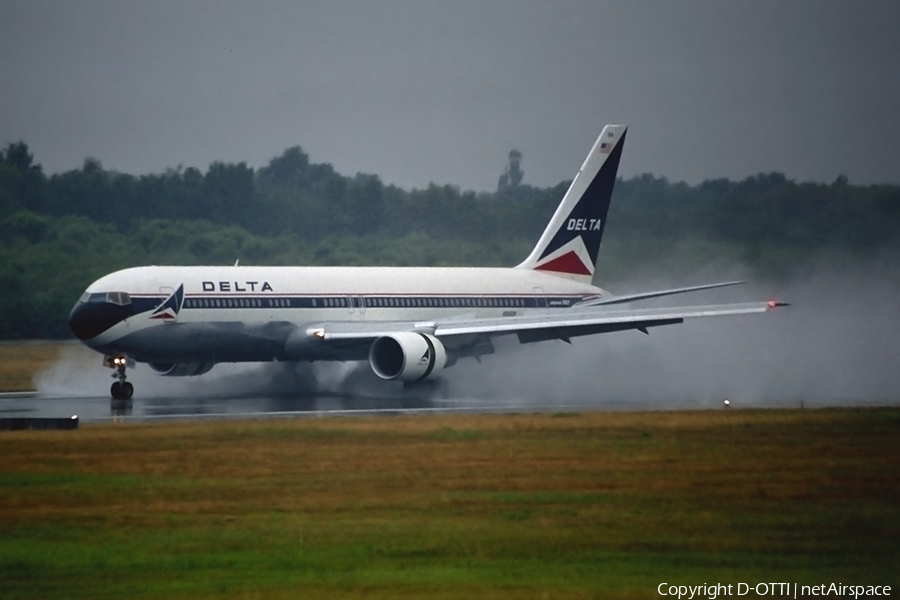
(407, 356)
(180, 369)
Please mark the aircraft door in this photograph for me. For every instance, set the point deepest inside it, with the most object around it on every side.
(539, 299)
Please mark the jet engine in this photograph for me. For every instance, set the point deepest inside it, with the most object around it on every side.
(407, 356)
(180, 369)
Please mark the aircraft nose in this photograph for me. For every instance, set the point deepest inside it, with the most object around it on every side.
(89, 319)
(81, 320)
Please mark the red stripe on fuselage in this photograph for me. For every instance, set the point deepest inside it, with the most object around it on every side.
(163, 315)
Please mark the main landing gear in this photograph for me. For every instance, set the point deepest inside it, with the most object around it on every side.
(120, 389)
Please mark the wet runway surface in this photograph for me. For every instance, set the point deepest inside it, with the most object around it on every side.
(103, 409)
(99, 409)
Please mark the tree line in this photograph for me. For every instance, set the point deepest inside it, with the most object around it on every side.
(62, 231)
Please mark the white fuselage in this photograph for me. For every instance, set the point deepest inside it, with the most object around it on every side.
(255, 296)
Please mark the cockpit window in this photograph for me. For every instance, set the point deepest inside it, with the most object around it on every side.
(120, 298)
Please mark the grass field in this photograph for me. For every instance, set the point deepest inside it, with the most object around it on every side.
(20, 361)
(594, 505)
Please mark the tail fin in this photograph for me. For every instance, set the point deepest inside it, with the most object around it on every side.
(571, 241)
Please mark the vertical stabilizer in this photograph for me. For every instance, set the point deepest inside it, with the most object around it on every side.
(571, 241)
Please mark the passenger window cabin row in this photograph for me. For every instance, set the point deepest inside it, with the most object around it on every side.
(370, 302)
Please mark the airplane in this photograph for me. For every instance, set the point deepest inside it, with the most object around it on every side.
(409, 323)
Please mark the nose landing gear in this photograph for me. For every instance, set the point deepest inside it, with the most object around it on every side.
(120, 389)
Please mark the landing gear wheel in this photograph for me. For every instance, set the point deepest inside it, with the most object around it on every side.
(121, 390)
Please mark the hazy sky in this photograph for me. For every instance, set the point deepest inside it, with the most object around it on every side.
(419, 91)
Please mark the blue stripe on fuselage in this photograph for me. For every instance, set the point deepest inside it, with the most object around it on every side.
(358, 301)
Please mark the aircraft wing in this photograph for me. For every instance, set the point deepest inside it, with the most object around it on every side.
(543, 325)
(533, 328)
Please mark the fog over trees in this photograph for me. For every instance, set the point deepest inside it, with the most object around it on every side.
(61, 232)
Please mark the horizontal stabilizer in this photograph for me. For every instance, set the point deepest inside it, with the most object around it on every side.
(657, 294)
